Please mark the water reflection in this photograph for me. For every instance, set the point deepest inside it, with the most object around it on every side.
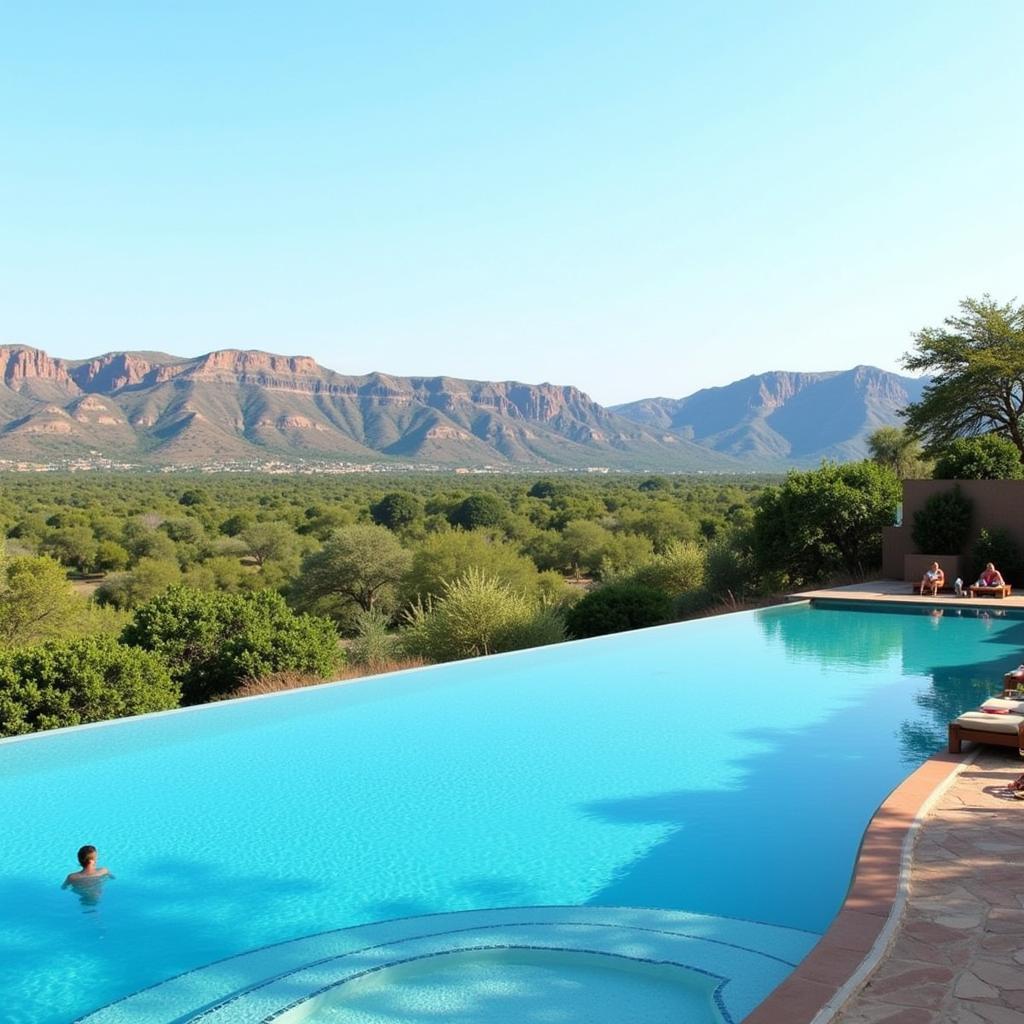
(955, 657)
(864, 641)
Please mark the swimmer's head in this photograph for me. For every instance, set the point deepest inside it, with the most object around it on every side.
(87, 856)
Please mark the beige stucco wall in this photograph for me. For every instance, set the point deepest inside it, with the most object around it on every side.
(997, 504)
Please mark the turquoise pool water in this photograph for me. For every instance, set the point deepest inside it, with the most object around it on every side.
(726, 766)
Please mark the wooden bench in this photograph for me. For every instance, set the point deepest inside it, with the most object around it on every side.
(1001, 591)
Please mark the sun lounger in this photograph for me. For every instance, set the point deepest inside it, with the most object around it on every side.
(1003, 590)
(1001, 726)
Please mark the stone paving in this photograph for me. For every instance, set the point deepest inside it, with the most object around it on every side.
(958, 957)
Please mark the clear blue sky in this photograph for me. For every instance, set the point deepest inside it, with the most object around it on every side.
(637, 198)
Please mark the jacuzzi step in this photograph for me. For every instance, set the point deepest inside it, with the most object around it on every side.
(748, 958)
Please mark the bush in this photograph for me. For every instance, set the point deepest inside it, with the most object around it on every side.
(989, 457)
(941, 525)
(617, 607)
(728, 571)
(679, 569)
(396, 510)
(213, 641)
(823, 522)
(149, 578)
(36, 601)
(999, 548)
(72, 682)
(373, 643)
(478, 510)
(479, 615)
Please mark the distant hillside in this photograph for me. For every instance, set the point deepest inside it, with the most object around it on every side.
(231, 405)
(783, 418)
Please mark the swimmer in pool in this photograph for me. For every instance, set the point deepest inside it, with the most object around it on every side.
(88, 882)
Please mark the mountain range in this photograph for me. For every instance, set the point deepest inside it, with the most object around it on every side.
(234, 406)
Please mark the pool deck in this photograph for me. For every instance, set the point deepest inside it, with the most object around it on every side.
(932, 931)
(958, 956)
(899, 592)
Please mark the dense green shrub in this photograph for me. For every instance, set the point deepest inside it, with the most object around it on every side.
(477, 510)
(396, 510)
(71, 682)
(941, 525)
(213, 641)
(823, 522)
(678, 569)
(616, 607)
(728, 572)
(989, 457)
(476, 615)
(151, 576)
(999, 548)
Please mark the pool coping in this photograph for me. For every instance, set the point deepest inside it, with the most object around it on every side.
(839, 964)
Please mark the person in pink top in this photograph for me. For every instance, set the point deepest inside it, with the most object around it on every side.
(990, 577)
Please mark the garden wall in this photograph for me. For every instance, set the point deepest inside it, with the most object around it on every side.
(997, 503)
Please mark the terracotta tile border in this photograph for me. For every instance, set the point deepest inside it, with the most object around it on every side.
(866, 923)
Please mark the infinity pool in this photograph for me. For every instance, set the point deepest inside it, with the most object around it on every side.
(725, 767)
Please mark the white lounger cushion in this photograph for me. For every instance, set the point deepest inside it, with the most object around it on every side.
(990, 723)
(1015, 707)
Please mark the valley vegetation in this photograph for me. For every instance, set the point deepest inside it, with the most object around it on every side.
(127, 593)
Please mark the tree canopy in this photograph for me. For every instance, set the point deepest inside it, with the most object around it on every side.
(976, 360)
(359, 565)
(989, 457)
(899, 450)
(36, 601)
(824, 521)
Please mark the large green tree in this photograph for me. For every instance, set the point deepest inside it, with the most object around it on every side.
(36, 601)
(396, 510)
(823, 522)
(976, 361)
(358, 566)
(478, 510)
(900, 450)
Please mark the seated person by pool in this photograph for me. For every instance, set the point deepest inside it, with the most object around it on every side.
(991, 580)
(933, 579)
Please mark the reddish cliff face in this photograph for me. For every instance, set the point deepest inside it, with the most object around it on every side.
(234, 403)
(246, 364)
(113, 371)
(21, 365)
